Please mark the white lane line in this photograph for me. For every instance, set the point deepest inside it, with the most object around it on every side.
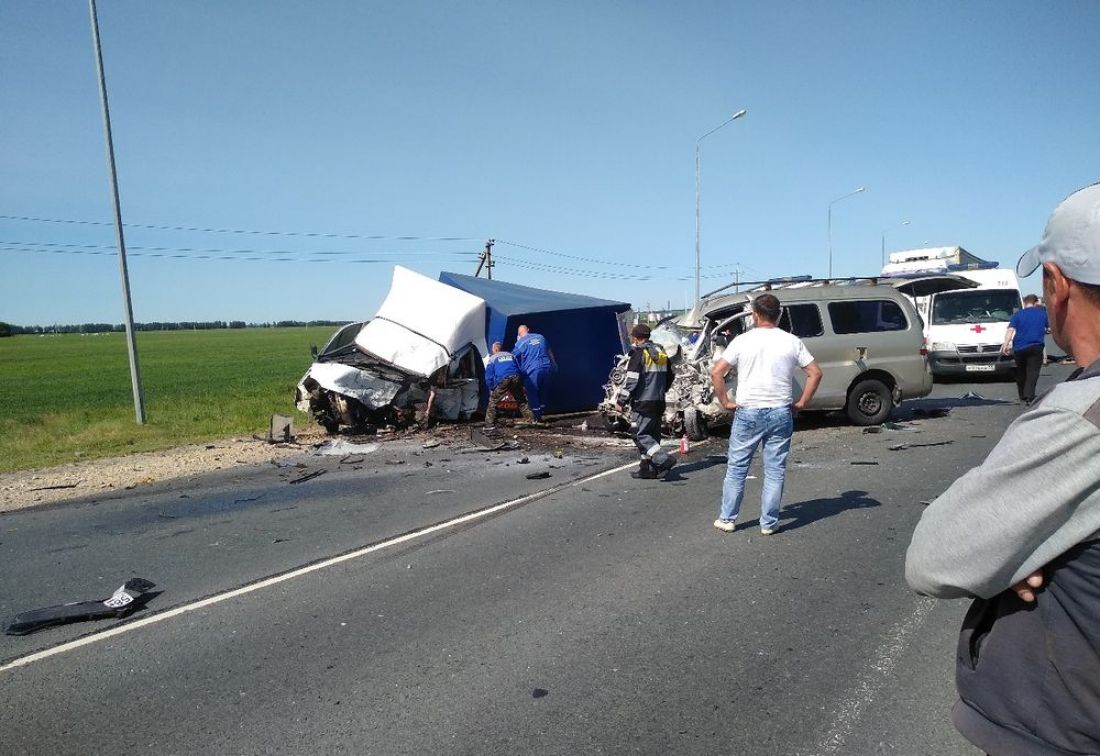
(268, 582)
(850, 711)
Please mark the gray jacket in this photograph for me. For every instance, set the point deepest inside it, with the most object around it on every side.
(1028, 675)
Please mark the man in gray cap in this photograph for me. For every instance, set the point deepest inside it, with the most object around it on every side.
(1020, 533)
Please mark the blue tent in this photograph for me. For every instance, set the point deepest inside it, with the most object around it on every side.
(583, 333)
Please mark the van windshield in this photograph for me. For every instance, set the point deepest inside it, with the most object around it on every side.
(975, 306)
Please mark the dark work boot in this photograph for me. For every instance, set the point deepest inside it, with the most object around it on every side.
(645, 471)
(663, 462)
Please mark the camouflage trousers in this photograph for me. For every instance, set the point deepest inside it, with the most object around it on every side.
(513, 384)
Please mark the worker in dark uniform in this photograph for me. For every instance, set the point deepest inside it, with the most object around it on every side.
(648, 378)
(502, 376)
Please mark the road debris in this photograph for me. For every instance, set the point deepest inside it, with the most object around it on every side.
(439, 491)
(57, 487)
(308, 476)
(430, 444)
(973, 396)
(338, 447)
(863, 462)
(900, 447)
(538, 475)
(131, 595)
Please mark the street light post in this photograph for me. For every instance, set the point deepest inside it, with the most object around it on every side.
(903, 223)
(830, 224)
(730, 120)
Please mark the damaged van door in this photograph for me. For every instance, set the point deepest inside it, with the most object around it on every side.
(419, 358)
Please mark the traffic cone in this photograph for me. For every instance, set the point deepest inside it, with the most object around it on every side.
(683, 445)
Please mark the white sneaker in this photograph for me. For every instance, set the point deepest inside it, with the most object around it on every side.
(769, 531)
(725, 525)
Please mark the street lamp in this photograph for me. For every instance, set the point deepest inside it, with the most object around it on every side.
(838, 199)
(733, 118)
(903, 223)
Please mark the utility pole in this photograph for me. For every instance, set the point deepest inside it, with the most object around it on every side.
(131, 340)
(485, 259)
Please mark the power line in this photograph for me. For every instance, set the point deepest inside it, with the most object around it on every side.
(308, 234)
(184, 254)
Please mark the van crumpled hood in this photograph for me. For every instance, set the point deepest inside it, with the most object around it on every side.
(422, 323)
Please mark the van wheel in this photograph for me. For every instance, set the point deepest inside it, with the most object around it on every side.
(869, 402)
(695, 424)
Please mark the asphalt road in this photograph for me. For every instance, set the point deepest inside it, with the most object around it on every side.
(599, 615)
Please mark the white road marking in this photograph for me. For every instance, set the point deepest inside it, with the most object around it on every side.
(850, 710)
(268, 582)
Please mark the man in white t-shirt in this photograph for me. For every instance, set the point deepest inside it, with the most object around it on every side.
(764, 359)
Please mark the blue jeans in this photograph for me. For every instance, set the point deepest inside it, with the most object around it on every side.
(751, 427)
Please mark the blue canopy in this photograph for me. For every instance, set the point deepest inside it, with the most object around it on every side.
(584, 333)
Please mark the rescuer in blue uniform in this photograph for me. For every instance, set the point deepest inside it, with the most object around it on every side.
(502, 376)
(536, 362)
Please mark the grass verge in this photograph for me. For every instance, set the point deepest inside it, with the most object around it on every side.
(66, 398)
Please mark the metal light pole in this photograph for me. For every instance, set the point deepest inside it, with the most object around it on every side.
(733, 118)
(135, 373)
(838, 199)
(903, 223)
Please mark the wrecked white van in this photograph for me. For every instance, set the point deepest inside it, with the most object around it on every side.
(419, 357)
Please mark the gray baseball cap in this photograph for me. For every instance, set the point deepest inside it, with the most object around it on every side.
(1071, 240)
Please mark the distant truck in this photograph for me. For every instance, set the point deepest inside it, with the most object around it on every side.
(965, 303)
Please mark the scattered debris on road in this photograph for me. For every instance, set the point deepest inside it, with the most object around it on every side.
(58, 487)
(131, 595)
(308, 476)
(900, 447)
(538, 475)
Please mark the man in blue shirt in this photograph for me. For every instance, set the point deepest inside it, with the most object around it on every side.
(1024, 339)
(502, 376)
(536, 362)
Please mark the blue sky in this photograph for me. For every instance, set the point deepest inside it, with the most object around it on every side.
(566, 127)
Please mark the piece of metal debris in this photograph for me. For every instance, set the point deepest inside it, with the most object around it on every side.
(308, 476)
(974, 396)
(57, 487)
(395, 461)
(863, 462)
(439, 491)
(899, 447)
(131, 595)
(431, 444)
(523, 461)
(538, 475)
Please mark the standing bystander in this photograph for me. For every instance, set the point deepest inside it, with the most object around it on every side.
(1020, 533)
(764, 359)
(1025, 340)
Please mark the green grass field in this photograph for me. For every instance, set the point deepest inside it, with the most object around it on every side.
(66, 398)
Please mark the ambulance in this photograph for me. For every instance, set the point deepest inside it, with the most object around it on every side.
(965, 303)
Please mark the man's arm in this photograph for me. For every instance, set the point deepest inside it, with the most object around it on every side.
(1033, 498)
(813, 380)
(634, 369)
(718, 381)
(1010, 334)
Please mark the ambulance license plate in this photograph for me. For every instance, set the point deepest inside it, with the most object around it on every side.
(980, 368)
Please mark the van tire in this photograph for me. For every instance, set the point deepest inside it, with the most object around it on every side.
(695, 424)
(869, 402)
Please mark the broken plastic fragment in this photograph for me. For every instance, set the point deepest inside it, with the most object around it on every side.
(131, 595)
